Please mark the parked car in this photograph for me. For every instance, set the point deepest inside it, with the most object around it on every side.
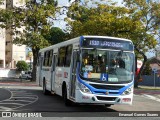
(25, 75)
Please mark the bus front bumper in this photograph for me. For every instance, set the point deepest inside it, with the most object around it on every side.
(103, 99)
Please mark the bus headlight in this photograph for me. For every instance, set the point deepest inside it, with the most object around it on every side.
(128, 91)
(83, 88)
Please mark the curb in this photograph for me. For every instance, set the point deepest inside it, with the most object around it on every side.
(17, 84)
(148, 87)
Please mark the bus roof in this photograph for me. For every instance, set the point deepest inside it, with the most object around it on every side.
(73, 40)
(93, 36)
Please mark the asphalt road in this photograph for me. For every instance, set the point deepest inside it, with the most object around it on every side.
(26, 96)
(31, 99)
(4, 94)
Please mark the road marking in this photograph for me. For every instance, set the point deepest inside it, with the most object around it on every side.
(18, 99)
(11, 104)
(24, 97)
(152, 97)
(5, 108)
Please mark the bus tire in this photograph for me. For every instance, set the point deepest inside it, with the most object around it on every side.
(45, 91)
(66, 101)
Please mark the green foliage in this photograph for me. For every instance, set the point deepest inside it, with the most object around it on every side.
(110, 20)
(138, 21)
(147, 14)
(101, 20)
(22, 66)
(34, 20)
(56, 35)
(29, 24)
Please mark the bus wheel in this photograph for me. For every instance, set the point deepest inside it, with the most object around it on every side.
(107, 105)
(45, 91)
(66, 101)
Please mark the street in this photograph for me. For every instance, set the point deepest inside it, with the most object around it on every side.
(20, 98)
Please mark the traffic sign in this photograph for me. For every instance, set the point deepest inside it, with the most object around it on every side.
(154, 69)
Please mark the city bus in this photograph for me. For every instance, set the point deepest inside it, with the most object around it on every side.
(89, 70)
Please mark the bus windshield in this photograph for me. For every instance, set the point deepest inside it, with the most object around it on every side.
(115, 66)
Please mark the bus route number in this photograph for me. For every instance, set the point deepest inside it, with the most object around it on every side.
(94, 42)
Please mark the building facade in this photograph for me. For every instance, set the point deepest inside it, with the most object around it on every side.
(10, 53)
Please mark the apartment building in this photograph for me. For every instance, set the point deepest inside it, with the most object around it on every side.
(2, 41)
(10, 53)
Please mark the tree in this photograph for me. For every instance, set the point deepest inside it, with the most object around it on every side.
(148, 14)
(22, 66)
(112, 20)
(56, 35)
(30, 55)
(104, 19)
(30, 22)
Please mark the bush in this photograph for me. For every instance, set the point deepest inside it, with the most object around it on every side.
(22, 66)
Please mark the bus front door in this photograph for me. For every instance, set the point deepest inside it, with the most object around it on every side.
(54, 61)
(73, 70)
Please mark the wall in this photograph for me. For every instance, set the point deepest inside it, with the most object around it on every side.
(19, 52)
(2, 47)
(3, 5)
(9, 73)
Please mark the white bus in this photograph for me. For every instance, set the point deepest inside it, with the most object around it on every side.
(89, 69)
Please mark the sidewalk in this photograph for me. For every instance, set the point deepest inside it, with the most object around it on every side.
(149, 90)
(16, 82)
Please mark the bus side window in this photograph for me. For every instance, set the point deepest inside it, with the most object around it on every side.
(61, 56)
(68, 55)
(45, 58)
(50, 58)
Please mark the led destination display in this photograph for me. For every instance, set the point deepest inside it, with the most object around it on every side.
(107, 44)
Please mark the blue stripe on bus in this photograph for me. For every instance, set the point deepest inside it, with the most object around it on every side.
(81, 40)
(102, 91)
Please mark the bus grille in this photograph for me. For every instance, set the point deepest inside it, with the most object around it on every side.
(108, 87)
(106, 98)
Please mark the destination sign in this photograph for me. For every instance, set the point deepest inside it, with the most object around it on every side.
(107, 43)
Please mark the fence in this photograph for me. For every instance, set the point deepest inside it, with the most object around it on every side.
(148, 80)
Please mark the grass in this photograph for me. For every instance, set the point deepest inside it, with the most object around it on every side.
(148, 88)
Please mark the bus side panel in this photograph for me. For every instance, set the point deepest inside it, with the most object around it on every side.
(46, 75)
(39, 70)
(61, 75)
